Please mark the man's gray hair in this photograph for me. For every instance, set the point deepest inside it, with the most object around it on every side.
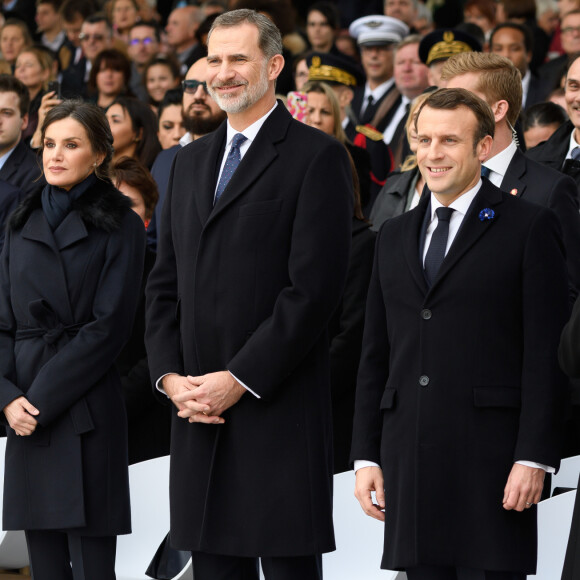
(269, 37)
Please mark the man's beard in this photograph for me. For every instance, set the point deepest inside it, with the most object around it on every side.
(202, 125)
(250, 94)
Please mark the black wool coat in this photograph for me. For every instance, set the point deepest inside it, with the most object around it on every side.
(460, 380)
(67, 302)
(250, 285)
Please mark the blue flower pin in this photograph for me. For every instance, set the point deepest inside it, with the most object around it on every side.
(486, 214)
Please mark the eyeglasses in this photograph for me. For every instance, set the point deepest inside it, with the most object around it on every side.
(190, 86)
(95, 37)
(144, 41)
(571, 29)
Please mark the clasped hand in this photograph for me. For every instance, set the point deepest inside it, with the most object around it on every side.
(203, 399)
(19, 414)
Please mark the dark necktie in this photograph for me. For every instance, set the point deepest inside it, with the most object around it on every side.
(575, 153)
(231, 165)
(436, 251)
(485, 171)
(368, 112)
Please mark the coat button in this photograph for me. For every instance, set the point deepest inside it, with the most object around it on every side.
(424, 380)
(425, 314)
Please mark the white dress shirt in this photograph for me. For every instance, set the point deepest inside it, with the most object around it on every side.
(401, 111)
(4, 157)
(498, 164)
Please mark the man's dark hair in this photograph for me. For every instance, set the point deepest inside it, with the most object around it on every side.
(56, 4)
(10, 84)
(328, 10)
(451, 99)
(99, 17)
(527, 34)
(70, 9)
(571, 60)
(94, 122)
(149, 24)
(542, 114)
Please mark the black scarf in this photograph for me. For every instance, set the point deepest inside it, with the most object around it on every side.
(57, 202)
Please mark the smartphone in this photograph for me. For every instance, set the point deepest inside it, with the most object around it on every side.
(54, 86)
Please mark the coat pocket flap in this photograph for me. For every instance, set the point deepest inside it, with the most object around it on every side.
(388, 399)
(81, 417)
(497, 397)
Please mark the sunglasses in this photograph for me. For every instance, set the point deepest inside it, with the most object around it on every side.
(95, 37)
(190, 86)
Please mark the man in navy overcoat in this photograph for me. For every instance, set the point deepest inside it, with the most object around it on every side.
(459, 389)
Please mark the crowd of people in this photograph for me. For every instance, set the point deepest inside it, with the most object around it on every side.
(282, 240)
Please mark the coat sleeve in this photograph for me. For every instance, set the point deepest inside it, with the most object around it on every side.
(317, 268)
(544, 313)
(8, 389)
(373, 371)
(569, 350)
(83, 361)
(563, 200)
(162, 332)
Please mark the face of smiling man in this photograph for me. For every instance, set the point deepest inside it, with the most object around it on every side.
(239, 76)
(572, 96)
(448, 159)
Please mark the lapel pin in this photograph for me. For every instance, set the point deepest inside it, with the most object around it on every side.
(514, 191)
(486, 214)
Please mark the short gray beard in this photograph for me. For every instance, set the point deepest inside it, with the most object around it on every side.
(250, 95)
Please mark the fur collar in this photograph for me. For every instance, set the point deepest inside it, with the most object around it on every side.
(102, 206)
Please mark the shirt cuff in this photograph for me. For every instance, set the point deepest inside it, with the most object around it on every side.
(546, 468)
(360, 463)
(159, 386)
(244, 385)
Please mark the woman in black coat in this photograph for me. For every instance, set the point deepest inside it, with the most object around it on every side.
(69, 282)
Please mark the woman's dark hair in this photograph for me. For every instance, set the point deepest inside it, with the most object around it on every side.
(133, 173)
(94, 122)
(114, 59)
(168, 61)
(485, 7)
(542, 114)
(328, 10)
(145, 126)
(172, 97)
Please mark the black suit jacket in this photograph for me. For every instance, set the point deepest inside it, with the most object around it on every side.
(538, 91)
(461, 379)
(539, 184)
(250, 285)
(73, 85)
(23, 169)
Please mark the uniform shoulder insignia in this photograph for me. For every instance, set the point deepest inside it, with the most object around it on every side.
(369, 132)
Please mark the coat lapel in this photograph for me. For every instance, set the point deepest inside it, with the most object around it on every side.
(207, 175)
(414, 240)
(71, 230)
(37, 229)
(472, 228)
(512, 182)
(257, 159)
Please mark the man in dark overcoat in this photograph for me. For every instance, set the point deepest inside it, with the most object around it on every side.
(247, 277)
(459, 389)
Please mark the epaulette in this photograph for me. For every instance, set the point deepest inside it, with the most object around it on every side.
(369, 132)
